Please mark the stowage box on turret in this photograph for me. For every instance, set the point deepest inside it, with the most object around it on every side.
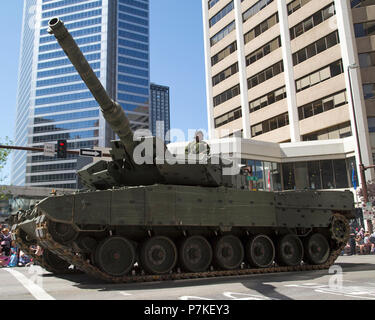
(152, 221)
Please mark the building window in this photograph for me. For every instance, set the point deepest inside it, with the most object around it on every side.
(322, 105)
(340, 172)
(228, 117)
(367, 59)
(371, 124)
(321, 75)
(265, 75)
(288, 176)
(295, 5)
(362, 3)
(223, 33)
(225, 74)
(255, 9)
(211, 3)
(224, 53)
(267, 99)
(313, 168)
(364, 29)
(369, 91)
(312, 21)
(335, 132)
(227, 95)
(270, 125)
(260, 28)
(263, 51)
(221, 14)
(315, 48)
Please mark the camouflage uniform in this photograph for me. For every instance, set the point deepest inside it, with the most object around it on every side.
(196, 148)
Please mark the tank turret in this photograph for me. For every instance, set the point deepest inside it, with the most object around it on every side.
(124, 170)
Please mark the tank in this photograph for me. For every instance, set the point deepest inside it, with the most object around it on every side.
(160, 221)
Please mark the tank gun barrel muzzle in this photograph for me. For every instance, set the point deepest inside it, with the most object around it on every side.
(112, 111)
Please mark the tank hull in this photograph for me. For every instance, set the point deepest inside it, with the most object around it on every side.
(185, 206)
(215, 222)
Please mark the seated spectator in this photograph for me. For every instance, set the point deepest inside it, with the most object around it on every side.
(372, 241)
(24, 259)
(6, 239)
(38, 250)
(362, 232)
(352, 242)
(366, 247)
(4, 260)
(13, 255)
(359, 243)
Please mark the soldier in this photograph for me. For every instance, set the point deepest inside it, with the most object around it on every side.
(198, 146)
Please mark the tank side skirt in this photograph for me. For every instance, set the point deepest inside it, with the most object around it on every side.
(64, 252)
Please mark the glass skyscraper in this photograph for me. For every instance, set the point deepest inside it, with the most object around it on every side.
(53, 102)
(160, 111)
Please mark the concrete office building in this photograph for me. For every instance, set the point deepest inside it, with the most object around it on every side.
(160, 122)
(283, 71)
(53, 102)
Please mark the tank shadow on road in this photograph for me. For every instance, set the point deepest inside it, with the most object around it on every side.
(260, 283)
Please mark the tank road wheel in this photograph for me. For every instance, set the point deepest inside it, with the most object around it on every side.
(228, 252)
(316, 249)
(158, 255)
(340, 228)
(260, 251)
(195, 254)
(115, 256)
(289, 250)
(54, 263)
(62, 232)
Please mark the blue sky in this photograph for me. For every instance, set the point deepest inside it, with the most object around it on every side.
(177, 61)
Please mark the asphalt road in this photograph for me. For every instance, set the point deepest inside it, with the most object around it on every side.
(352, 278)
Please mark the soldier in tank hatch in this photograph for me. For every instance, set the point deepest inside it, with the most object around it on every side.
(198, 146)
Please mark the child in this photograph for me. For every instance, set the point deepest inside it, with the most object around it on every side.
(24, 260)
(13, 255)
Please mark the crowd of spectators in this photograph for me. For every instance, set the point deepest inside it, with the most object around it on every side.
(360, 242)
(10, 255)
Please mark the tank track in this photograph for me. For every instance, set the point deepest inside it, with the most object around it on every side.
(25, 247)
(46, 241)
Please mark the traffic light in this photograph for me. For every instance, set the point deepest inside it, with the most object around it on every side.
(61, 149)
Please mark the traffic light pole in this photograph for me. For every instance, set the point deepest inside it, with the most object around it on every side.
(42, 150)
(362, 168)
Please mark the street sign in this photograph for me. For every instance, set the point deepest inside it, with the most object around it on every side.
(250, 178)
(90, 153)
(49, 150)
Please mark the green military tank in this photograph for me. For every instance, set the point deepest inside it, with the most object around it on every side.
(160, 221)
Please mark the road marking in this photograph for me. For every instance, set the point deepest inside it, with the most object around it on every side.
(350, 291)
(193, 298)
(244, 296)
(37, 292)
(125, 293)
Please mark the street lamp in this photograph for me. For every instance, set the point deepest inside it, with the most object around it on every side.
(361, 165)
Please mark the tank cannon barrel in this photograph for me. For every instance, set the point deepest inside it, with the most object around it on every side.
(112, 111)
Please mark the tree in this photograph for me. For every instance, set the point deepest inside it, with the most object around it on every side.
(4, 155)
(371, 198)
(370, 192)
